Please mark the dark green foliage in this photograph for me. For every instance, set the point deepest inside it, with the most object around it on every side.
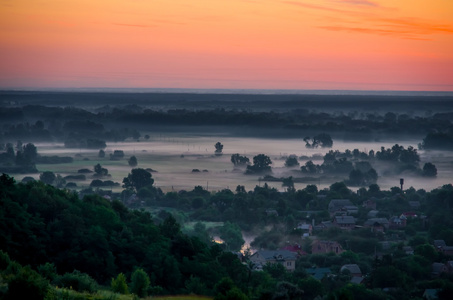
(76, 280)
(226, 290)
(398, 154)
(291, 161)
(47, 177)
(132, 161)
(360, 178)
(232, 235)
(137, 179)
(322, 140)
(75, 177)
(239, 160)
(140, 283)
(18, 282)
(119, 284)
(117, 155)
(287, 290)
(261, 164)
(429, 170)
(100, 171)
(100, 183)
(218, 148)
(438, 140)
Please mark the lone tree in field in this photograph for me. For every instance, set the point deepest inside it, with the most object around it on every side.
(239, 160)
(429, 170)
(132, 161)
(291, 161)
(137, 179)
(218, 148)
(261, 164)
(100, 171)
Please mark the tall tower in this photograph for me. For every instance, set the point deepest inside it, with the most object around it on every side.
(401, 183)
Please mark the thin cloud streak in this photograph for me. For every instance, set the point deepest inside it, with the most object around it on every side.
(360, 2)
(133, 25)
(413, 29)
(312, 6)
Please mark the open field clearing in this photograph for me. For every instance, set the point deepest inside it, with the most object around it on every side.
(175, 157)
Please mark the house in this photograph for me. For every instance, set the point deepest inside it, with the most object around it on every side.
(438, 268)
(324, 225)
(322, 247)
(408, 250)
(283, 257)
(438, 244)
(430, 294)
(341, 206)
(441, 246)
(372, 213)
(369, 204)
(410, 214)
(296, 248)
(397, 222)
(307, 229)
(319, 273)
(353, 269)
(344, 222)
(377, 224)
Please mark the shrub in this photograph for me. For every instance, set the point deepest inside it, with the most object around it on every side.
(77, 280)
(140, 283)
(119, 284)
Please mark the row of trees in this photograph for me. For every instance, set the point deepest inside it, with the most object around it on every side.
(81, 128)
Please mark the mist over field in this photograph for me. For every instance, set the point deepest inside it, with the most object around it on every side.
(183, 126)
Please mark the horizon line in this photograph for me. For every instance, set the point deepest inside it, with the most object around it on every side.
(252, 91)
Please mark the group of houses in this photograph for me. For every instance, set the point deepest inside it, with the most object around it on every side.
(342, 213)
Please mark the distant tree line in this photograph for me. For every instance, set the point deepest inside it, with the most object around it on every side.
(81, 128)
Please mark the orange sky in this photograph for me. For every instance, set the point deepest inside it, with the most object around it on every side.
(248, 44)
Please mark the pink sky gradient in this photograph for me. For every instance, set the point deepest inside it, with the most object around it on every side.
(322, 44)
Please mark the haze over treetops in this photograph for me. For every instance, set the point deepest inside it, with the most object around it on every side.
(269, 44)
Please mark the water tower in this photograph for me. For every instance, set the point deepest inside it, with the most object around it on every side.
(401, 183)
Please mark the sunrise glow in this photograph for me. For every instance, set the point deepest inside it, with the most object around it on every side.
(313, 44)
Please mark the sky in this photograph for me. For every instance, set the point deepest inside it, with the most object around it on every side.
(227, 44)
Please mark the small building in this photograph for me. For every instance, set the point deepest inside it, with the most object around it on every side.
(377, 224)
(441, 246)
(372, 213)
(323, 247)
(319, 273)
(283, 257)
(369, 204)
(344, 222)
(353, 269)
(324, 225)
(438, 268)
(307, 229)
(397, 222)
(341, 206)
(430, 294)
